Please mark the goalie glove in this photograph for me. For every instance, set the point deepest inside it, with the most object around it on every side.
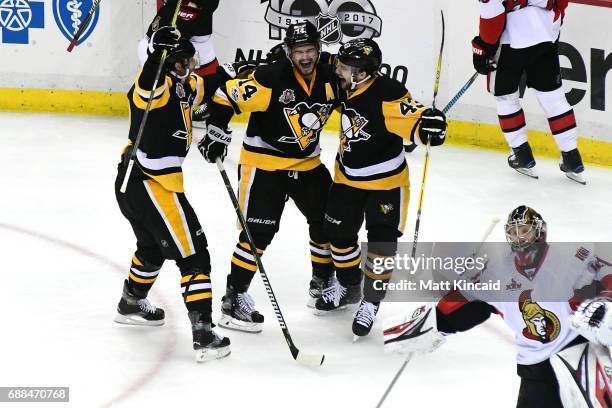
(593, 320)
(214, 144)
(414, 332)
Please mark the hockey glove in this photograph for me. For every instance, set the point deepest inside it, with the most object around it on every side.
(238, 69)
(593, 320)
(414, 332)
(433, 127)
(165, 38)
(214, 144)
(482, 56)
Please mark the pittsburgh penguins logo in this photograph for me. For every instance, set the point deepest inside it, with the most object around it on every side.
(306, 122)
(352, 129)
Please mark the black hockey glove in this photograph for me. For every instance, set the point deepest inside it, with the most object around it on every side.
(239, 69)
(276, 53)
(433, 127)
(214, 144)
(165, 38)
(482, 56)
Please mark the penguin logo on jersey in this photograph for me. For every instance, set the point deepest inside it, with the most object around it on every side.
(540, 324)
(305, 122)
(352, 129)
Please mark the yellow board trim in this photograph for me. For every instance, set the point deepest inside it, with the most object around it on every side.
(199, 296)
(460, 133)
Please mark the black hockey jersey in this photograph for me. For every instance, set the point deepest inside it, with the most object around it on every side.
(167, 134)
(191, 21)
(374, 121)
(287, 116)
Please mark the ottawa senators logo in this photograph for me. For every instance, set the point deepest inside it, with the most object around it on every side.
(306, 123)
(541, 325)
(352, 129)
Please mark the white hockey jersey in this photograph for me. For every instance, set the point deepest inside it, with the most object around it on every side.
(536, 303)
(520, 23)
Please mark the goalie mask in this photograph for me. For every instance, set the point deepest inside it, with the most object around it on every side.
(184, 54)
(524, 227)
(362, 55)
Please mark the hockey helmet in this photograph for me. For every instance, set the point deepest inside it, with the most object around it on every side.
(301, 34)
(524, 227)
(181, 54)
(361, 53)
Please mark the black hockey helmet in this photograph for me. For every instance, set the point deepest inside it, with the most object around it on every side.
(524, 216)
(362, 53)
(181, 54)
(301, 34)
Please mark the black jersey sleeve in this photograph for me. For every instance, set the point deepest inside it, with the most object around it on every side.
(455, 314)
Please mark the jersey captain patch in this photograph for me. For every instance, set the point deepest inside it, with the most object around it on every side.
(352, 129)
(305, 122)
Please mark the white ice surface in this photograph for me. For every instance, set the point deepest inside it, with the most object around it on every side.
(66, 248)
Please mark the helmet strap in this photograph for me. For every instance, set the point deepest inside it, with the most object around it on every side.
(354, 82)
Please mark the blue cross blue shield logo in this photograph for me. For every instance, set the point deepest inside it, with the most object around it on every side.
(17, 17)
(70, 14)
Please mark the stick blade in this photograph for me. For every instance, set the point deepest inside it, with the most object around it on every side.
(310, 360)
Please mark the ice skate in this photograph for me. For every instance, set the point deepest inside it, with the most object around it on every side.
(238, 312)
(337, 297)
(364, 319)
(317, 285)
(522, 160)
(207, 344)
(137, 311)
(571, 165)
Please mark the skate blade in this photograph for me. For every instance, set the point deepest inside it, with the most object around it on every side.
(136, 321)
(204, 355)
(318, 312)
(575, 177)
(527, 172)
(229, 322)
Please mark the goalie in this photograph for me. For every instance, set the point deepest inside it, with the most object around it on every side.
(561, 345)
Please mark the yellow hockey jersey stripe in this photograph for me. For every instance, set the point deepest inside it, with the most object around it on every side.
(385, 183)
(270, 162)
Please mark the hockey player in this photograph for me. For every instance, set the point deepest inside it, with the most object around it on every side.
(542, 285)
(371, 176)
(516, 38)
(290, 101)
(165, 224)
(194, 21)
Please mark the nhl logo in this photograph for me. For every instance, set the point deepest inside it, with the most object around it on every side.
(287, 97)
(329, 28)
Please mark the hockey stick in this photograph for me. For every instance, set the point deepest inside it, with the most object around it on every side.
(409, 356)
(418, 220)
(148, 108)
(426, 164)
(83, 26)
(409, 148)
(311, 360)
(460, 93)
